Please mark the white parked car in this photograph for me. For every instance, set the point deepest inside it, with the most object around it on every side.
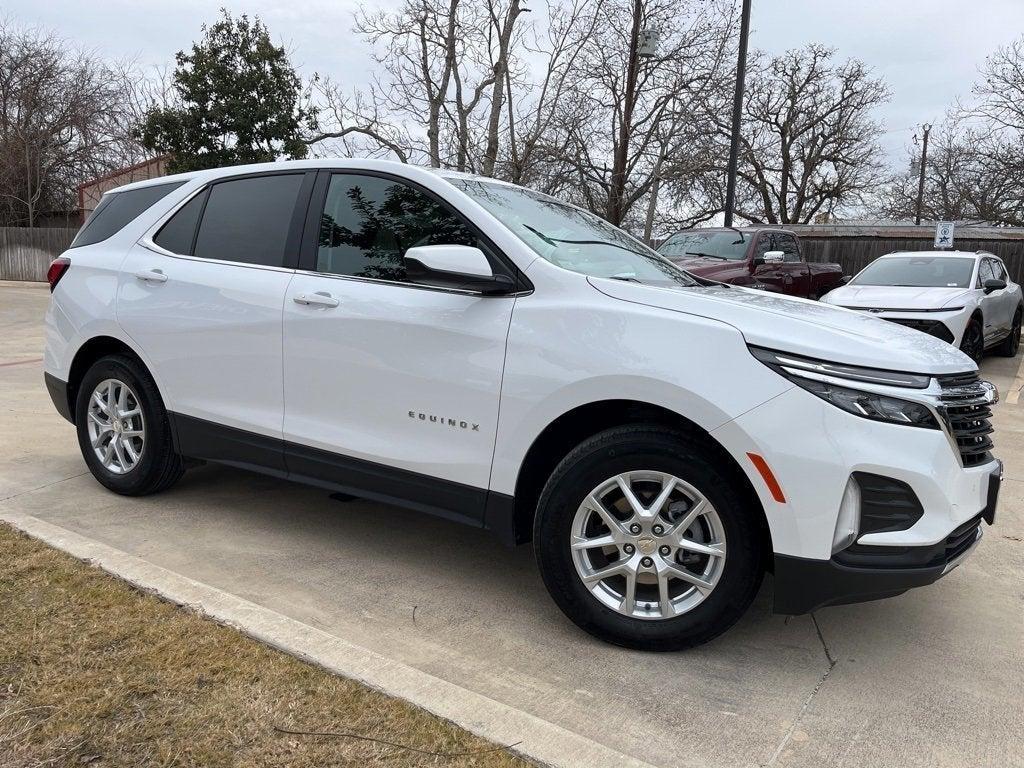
(966, 299)
(485, 353)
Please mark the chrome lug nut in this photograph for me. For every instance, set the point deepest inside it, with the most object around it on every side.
(647, 562)
(635, 528)
(658, 530)
(629, 549)
(666, 550)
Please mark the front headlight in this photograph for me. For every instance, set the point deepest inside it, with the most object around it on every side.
(804, 372)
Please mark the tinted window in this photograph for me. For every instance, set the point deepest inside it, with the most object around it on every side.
(180, 230)
(765, 243)
(722, 245)
(116, 209)
(368, 224)
(787, 244)
(247, 220)
(918, 272)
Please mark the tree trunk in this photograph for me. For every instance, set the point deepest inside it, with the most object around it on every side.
(498, 91)
(617, 188)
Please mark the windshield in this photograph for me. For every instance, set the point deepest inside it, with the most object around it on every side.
(719, 245)
(918, 272)
(572, 238)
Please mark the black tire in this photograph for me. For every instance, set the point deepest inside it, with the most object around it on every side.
(972, 343)
(1008, 347)
(636, 448)
(158, 467)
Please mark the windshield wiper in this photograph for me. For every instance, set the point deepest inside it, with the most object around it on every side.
(627, 278)
(556, 240)
(542, 236)
(707, 255)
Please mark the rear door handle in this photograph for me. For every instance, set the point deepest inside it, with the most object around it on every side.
(319, 299)
(151, 275)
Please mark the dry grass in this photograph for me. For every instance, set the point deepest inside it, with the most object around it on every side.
(94, 673)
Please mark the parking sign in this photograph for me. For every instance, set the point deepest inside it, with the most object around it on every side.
(944, 234)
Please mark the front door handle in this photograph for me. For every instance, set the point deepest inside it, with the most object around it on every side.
(151, 275)
(319, 299)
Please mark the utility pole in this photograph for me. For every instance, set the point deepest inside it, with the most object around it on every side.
(920, 179)
(737, 114)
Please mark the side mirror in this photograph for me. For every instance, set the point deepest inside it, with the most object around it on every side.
(845, 279)
(994, 285)
(770, 257)
(459, 267)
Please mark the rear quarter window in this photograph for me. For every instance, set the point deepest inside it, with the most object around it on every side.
(117, 209)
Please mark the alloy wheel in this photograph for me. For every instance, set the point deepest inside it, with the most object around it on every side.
(117, 428)
(972, 344)
(648, 545)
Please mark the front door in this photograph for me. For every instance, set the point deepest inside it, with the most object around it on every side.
(390, 388)
(773, 276)
(797, 273)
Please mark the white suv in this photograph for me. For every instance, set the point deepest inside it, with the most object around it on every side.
(488, 354)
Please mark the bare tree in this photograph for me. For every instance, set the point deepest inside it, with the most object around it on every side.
(64, 118)
(809, 141)
(626, 114)
(975, 167)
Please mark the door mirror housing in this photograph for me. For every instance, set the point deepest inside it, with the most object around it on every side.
(845, 279)
(770, 257)
(994, 285)
(458, 267)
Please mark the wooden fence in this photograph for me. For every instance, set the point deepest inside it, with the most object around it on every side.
(26, 253)
(854, 246)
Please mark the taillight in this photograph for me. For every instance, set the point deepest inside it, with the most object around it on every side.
(56, 271)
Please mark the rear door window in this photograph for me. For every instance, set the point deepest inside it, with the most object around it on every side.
(247, 220)
(117, 209)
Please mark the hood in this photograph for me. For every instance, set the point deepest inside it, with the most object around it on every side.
(801, 326)
(895, 297)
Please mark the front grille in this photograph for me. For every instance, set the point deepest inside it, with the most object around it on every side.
(935, 328)
(965, 407)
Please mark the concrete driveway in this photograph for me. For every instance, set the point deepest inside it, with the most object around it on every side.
(933, 677)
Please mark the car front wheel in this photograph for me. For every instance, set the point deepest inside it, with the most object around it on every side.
(645, 541)
(1008, 347)
(973, 342)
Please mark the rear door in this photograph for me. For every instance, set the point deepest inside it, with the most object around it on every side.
(201, 295)
(391, 388)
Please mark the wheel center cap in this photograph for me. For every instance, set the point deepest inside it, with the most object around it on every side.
(646, 546)
(117, 427)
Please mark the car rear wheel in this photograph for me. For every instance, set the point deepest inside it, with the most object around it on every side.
(123, 429)
(1008, 347)
(973, 342)
(644, 541)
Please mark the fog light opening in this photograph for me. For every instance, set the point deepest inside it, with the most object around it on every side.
(848, 521)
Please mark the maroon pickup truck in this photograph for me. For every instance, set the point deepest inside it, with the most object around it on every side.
(755, 257)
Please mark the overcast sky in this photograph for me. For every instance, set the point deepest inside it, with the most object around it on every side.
(928, 51)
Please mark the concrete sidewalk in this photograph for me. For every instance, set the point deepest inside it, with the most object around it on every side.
(928, 678)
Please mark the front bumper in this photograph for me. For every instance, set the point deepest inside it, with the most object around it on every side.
(947, 325)
(864, 572)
